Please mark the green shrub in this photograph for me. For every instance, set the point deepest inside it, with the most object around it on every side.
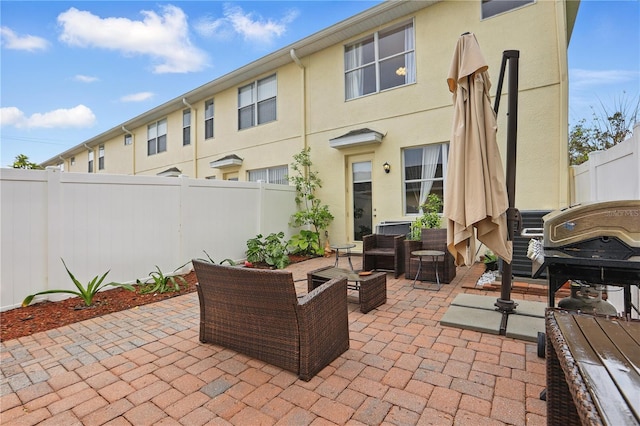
(272, 250)
(306, 243)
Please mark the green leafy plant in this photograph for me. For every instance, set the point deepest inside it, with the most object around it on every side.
(272, 250)
(311, 211)
(86, 294)
(490, 261)
(161, 283)
(430, 216)
(305, 243)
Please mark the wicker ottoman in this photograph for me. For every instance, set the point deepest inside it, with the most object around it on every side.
(372, 289)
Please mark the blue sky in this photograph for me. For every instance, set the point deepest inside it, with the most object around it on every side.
(68, 74)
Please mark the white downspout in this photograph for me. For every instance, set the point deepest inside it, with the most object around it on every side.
(194, 126)
(133, 147)
(295, 59)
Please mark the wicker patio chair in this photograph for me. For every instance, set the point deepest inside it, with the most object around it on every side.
(431, 239)
(383, 252)
(256, 312)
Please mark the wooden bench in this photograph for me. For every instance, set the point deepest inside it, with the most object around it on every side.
(593, 369)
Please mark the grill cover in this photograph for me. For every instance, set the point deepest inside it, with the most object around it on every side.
(609, 230)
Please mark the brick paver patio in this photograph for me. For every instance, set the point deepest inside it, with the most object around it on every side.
(146, 366)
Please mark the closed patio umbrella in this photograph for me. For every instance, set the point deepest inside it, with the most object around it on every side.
(475, 194)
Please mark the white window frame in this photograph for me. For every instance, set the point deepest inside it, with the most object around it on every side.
(157, 137)
(90, 162)
(186, 127)
(101, 157)
(427, 180)
(128, 139)
(276, 174)
(490, 8)
(262, 92)
(357, 67)
(209, 114)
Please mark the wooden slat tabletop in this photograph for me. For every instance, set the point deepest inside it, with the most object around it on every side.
(607, 353)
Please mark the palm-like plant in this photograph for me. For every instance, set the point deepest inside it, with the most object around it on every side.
(86, 294)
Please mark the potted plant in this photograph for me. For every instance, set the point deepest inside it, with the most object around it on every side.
(490, 261)
(430, 217)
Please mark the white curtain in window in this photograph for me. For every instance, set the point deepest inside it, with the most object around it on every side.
(278, 175)
(430, 155)
(410, 57)
(355, 78)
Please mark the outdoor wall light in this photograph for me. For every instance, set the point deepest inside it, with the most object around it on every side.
(386, 167)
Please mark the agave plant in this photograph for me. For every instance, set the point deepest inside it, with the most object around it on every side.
(86, 294)
(161, 283)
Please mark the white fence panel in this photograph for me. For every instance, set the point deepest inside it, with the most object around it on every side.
(610, 175)
(125, 224)
(23, 225)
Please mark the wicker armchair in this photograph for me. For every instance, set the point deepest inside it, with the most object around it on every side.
(431, 239)
(256, 312)
(383, 252)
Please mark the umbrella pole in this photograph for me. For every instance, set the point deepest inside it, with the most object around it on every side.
(504, 303)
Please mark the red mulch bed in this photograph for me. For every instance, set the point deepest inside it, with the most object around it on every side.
(47, 315)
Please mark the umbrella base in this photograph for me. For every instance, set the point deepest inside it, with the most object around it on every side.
(505, 306)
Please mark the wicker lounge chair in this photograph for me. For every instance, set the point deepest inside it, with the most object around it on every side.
(383, 252)
(256, 312)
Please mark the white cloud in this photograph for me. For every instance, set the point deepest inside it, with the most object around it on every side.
(137, 97)
(580, 78)
(250, 26)
(85, 78)
(11, 40)
(78, 116)
(165, 37)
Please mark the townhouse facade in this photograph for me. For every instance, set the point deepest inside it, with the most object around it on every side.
(368, 96)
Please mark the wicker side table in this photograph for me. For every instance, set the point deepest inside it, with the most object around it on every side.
(372, 289)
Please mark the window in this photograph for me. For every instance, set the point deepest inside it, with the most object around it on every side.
(157, 137)
(257, 102)
(270, 175)
(128, 139)
(73, 161)
(382, 61)
(494, 7)
(90, 165)
(208, 119)
(424, 172)
(101, 157)
(186, 127)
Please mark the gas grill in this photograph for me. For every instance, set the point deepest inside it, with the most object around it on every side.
(597, 243)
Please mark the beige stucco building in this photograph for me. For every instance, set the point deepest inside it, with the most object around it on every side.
(367, 91)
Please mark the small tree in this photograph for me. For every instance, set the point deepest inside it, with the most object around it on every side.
(311, 210)
(22, 162)
(608, 128)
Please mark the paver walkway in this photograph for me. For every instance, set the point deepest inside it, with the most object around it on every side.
(146, 366)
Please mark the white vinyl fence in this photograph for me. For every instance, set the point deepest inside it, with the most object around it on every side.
(125, 224)
(611, 175)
